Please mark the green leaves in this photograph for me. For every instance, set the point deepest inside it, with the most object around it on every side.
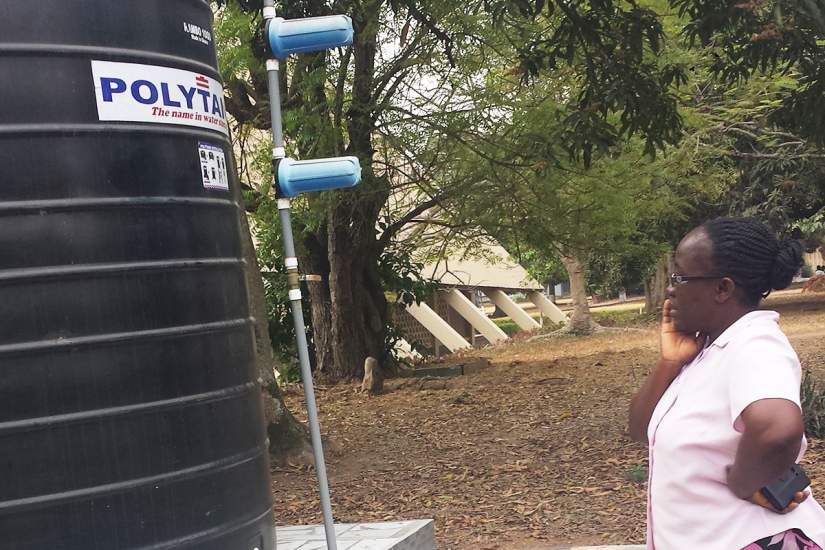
(612, 47)
(766, 37)
(587, 132)
(401, 276)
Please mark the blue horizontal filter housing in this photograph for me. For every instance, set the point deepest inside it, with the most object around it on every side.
(310, 34)
(305, 176)
(130, 413)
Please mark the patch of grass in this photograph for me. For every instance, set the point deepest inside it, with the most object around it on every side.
(623, 318)
(807, 270)
(507, 325)
(549, 326)
(510, 328)
(290, 372)
(813, 406)
(637, 473)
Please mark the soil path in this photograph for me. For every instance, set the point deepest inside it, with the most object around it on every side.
(532, 451)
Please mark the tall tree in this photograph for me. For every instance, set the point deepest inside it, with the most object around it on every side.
(532, 184)
(334, 104)
(385, 95)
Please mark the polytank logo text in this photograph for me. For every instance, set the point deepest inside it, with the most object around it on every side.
(149, 93)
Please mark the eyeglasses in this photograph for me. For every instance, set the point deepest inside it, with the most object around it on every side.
(676, 279)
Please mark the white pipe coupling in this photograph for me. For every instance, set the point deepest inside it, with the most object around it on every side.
(269, 12)
(278, 152)
(291, 263)
(295, 295)
(272, 65)
(283, 204)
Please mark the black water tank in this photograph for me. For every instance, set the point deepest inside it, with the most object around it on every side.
(129, 413)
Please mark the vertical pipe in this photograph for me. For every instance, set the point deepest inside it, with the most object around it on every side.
(272, 69)
(306, 373)
(291, 262)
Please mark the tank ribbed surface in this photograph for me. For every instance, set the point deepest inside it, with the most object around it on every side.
(129, 413)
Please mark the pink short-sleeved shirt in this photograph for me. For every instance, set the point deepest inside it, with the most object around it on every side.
(694, 433)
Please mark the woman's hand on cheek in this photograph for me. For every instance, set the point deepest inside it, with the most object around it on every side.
(677, 347)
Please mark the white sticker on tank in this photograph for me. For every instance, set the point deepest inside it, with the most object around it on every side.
(198, 34)
(213, 167)
(148, 93)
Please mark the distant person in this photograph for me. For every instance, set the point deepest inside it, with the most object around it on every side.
(720, 411)
(820, 270)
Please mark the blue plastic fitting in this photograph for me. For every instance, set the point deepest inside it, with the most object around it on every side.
(309, 34)
(305, 176)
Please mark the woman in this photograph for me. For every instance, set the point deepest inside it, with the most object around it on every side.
(720, 410)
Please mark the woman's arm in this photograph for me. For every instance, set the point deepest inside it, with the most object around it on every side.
(772, 436)
(645, 400)
(678, 349)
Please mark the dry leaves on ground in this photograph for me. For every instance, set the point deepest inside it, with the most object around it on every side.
(531, 451)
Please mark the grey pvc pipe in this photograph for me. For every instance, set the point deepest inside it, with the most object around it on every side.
(297, 310)
(275, 109)
(309, 391)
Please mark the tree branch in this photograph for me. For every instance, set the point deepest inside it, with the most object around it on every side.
(737, 154)
(338, 106)
(396, 226)
(396, 65)
(442, 36)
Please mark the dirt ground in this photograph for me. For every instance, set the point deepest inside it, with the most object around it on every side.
(531, 451)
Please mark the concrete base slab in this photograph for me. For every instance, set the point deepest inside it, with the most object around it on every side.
(623, 547)
(388, 535)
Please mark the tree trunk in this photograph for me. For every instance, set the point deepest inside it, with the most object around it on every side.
(656, 285)
(315, 262)
(349, 310)
(580, 321)
(287, 437)
(359, 307)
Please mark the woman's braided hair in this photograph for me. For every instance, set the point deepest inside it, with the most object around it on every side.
(748, 252)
